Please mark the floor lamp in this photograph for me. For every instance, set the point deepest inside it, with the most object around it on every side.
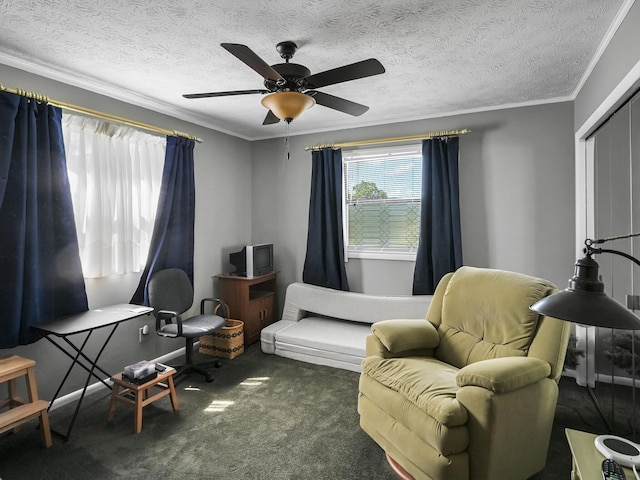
(585, 303)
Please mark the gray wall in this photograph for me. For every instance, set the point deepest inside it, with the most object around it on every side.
(516, 184)
(223, 213)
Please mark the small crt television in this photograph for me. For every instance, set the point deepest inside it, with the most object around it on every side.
(252, 260)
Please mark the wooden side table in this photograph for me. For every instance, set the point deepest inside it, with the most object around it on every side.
(139, 396)
(586, 459)
(252, 300)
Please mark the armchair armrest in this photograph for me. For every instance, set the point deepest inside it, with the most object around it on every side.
(505, 374)
(167, 316)
(399, 336)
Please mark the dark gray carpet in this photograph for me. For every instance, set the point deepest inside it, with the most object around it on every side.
(264, 417)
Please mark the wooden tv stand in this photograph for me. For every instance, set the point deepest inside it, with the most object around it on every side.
(252, 300)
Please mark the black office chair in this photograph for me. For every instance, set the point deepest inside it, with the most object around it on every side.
(170, 295)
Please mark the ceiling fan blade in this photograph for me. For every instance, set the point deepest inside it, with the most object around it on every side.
(223, 94)
(270, 119)
(337, 103)
(365, 68)
(245, 54)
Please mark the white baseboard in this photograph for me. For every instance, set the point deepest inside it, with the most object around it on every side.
(605, 378)
(99, 386)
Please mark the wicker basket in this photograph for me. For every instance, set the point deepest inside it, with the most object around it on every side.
(228, 342)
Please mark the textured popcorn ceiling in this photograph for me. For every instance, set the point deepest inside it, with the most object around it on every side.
(441, 56)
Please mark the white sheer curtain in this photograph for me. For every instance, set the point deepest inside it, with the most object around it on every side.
(115, 174)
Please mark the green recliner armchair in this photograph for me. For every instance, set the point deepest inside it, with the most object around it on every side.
(471, 392)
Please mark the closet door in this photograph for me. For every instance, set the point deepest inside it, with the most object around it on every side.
(613, 201)
(617, 213)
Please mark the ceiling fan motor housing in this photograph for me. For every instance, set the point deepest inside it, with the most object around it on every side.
(293, 73)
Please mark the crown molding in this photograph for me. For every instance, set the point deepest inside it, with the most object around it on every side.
(491, 108)
(99, 87)
(611, 31)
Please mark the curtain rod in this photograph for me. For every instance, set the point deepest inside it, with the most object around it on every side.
(425, 136)
(95, 113)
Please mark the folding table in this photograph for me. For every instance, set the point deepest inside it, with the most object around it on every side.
(64, 327)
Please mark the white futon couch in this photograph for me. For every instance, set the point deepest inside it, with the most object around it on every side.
(329, 327)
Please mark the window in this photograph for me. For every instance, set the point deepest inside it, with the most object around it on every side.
(382, 189)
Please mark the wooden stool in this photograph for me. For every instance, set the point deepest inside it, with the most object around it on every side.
(21, 410)
(139, 396)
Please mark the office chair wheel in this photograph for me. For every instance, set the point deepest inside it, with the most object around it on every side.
(217, 364)
(208, 377)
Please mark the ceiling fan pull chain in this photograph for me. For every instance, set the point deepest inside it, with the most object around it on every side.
(287, 153)
(286, 143)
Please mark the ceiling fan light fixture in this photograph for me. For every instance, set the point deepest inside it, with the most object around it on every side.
(287, 105)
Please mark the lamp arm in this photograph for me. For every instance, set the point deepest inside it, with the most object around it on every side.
(589, 250)
(584, 301)
(589, 241)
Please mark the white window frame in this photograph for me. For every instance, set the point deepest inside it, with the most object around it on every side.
(373, 253)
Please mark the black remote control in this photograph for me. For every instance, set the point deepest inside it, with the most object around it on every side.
(612, 471)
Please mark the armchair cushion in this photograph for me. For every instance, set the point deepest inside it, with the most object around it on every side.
(501, 375)
(486, 314)
(399, 336)
(426, 382)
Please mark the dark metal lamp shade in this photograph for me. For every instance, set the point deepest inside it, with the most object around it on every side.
(584, 301)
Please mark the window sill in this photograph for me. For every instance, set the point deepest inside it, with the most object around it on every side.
(397, 256)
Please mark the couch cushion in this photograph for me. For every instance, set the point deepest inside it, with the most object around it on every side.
(486, 314)
(326, 336)
(303, 300)
(426, 382)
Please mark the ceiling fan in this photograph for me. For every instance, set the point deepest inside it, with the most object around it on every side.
(291, 88)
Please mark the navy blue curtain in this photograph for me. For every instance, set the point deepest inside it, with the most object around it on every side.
(40, 271)
(172, 239)
(440, 243)
(324, 262)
